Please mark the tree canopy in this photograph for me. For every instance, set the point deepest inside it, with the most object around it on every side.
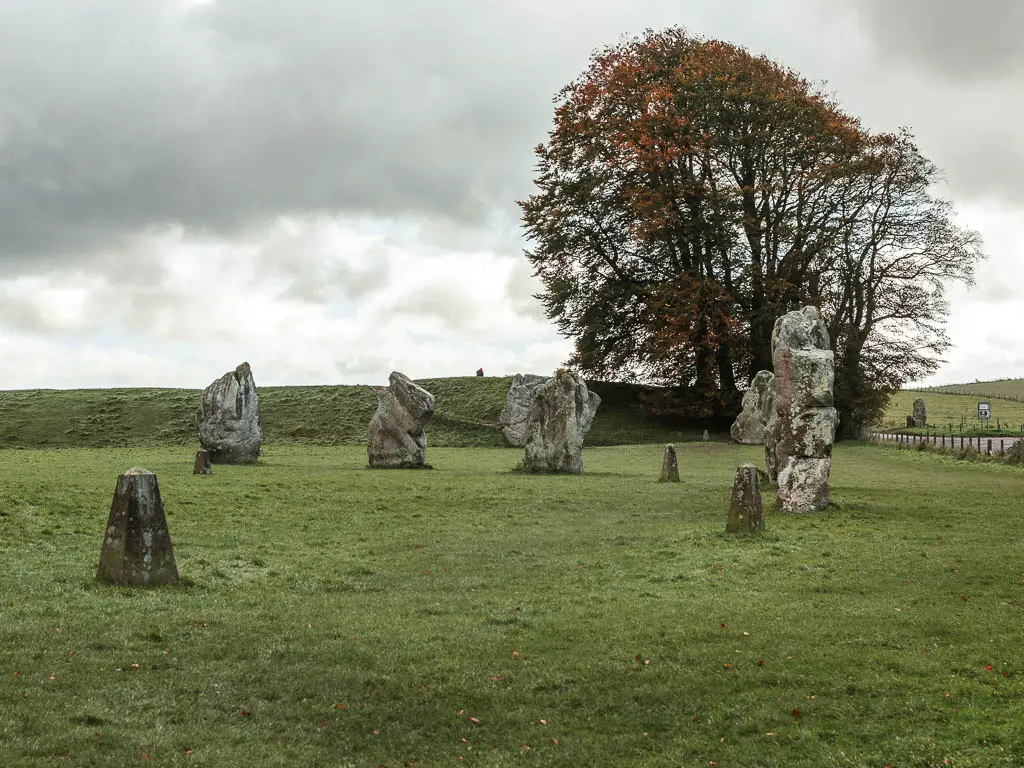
(691, 192)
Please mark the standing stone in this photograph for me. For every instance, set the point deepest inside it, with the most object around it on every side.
(749, 425)
(920, 413)
(910, 421)
(770, 420)
(745, 510)
(804, 375)
(397, 439)
(669, 466)
(228, 420)
(560, 416)
(202, 465)
(705, 437)
(137, 546)
(514, 417)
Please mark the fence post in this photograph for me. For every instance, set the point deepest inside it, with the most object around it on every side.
(989, 449)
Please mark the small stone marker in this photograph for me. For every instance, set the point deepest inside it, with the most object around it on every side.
(137, 546)
(706, 438)
(202, 465)
(910, 421)
(669, 466)
(745, 510)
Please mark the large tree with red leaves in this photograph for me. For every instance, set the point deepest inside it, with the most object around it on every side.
(691, 192)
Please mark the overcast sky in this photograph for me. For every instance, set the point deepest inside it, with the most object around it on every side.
(327, 189)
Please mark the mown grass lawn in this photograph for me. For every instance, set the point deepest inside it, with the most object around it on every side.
(335, 615)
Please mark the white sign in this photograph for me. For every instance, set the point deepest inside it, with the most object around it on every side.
(984, 411)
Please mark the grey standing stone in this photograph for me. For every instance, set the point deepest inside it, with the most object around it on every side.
(770, 419)
(804, 375)
(561, 414)
(513, 419)
(397, 438)
(749, 425)
(920, 413)
(705, 437)
(745, 510)
(669, 466)
(910, 421)
(202, 464)
(228, 421)
(137, 545)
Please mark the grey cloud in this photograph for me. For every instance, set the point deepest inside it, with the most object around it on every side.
(309, 269)
(117, 118)
(962, 40)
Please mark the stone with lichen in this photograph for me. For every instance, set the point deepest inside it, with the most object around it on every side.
(804, 410)
(397, 437)
(228, 422)
(561, 414)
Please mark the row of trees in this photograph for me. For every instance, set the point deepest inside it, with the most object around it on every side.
(690, 193)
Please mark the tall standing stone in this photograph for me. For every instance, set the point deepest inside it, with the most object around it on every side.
(770, 420)
(804, 375)
(561, 414)
(137, 546)
(228, 421)
(920, 413)
(745, 510)
(397, 438)
(669, 466)
(749, 425)
(514, 417)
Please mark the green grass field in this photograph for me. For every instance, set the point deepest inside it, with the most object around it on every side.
(334, 615)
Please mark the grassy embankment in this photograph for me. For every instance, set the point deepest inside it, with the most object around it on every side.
(954, 405)
(334, 615)
(466, 416)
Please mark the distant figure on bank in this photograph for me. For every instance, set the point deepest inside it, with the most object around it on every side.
(479, 371)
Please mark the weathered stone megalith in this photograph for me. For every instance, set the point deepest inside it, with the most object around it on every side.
(920, 413)
(202, 464)
(770, 422)
(804, 377)
(514, 417)
(397, 439)
(561, 414)
(669, 466)
(749, 425)
(745, 510)
(137, 546)
(228, 421)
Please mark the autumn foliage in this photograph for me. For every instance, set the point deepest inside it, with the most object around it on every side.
(691, 192)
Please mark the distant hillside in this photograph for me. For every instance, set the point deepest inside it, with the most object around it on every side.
(1004, 389)
(956, 404)
(466, 415)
